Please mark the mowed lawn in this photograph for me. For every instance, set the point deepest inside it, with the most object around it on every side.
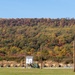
(23, 71)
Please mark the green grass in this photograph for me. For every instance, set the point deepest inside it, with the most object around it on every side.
(23, 71)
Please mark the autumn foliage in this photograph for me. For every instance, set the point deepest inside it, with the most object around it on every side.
(50, 38)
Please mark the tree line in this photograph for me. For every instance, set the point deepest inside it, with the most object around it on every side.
(49, 39)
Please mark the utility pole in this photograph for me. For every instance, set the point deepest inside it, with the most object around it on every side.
(41, 56)
(74, 53)
(25, 56)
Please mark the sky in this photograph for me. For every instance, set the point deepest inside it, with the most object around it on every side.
(37, 8)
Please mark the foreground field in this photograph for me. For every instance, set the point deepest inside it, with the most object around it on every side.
(23, 71)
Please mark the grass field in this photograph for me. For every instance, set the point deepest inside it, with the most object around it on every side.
(23, 71)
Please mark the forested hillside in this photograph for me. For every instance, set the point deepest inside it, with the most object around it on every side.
(50, 38)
